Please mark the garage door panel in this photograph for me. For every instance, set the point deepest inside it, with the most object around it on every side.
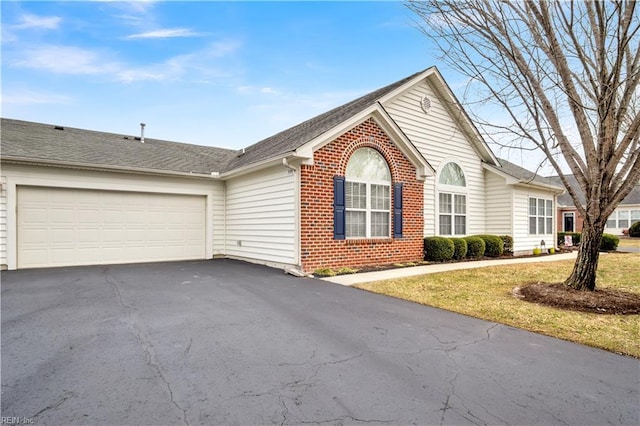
(60, 227)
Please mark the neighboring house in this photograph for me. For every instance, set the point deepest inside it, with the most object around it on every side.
(361, 184)
(569, 220)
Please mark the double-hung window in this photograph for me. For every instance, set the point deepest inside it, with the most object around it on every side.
(367, 195)
(452, 201)
(540, 216)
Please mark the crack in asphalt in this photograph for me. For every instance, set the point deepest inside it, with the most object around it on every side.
(67, 395)
(339, 420)
(145, 342)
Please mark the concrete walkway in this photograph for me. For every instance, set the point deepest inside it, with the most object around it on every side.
(366, 277)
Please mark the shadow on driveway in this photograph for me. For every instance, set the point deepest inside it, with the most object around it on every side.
(226, 342)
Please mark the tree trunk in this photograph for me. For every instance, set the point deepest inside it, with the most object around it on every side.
(583, 276)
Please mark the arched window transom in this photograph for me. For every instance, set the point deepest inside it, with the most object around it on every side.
(367, 195)
(452, 200)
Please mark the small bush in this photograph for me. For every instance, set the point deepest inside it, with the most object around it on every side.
(324, 272)
(475, 247)
(634, 230)
(459, 248)
(507, 243)
(438, 249)
(493, 245)
(575, 238)
(609, 242)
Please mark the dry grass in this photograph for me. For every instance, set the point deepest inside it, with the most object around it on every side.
(487, 293)
(629, 242)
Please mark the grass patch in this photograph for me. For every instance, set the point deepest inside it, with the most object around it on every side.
(487, 293)
(629, 242)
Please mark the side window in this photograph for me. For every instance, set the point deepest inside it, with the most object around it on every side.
(452, 200)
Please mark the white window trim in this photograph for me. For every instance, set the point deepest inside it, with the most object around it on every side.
(538, 216)
(454, 190)
(368, 210)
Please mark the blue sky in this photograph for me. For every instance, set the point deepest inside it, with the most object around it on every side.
(212, 73)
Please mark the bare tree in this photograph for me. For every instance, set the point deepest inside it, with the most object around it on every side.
(567, 74)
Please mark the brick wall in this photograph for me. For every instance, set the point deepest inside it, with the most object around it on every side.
(318, 247)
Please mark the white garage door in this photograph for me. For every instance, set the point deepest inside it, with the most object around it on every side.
(62, 227)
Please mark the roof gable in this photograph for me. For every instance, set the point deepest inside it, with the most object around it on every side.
(515, 174)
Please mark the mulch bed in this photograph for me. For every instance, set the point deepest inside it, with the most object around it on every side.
(599, 301)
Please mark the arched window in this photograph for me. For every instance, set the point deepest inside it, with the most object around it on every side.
(367, 195)
(452, 200)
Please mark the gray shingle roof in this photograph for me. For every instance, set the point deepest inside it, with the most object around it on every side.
(523, 174)
(23, 139)
(296, 136)
(565, 199)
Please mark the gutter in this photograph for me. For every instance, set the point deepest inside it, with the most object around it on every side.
(96, 167)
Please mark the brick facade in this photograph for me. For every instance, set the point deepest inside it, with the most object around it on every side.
(318, 247)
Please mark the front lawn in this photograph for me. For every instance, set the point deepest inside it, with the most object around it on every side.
(629, 242)
(487, 293)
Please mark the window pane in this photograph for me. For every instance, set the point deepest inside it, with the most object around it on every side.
(532, 206)
(445, 225)
(379, 224)
(355, 195)
(611, 222)
(368, 164)
(635, 216)
(549, 208)
(380, 197)
(532, 225)
(541, 225)
(461, 225)
(460, 204)
(540, 207)
(355, 226)
(623, 219)
(452, 174)
(549, 225)
(445, 203)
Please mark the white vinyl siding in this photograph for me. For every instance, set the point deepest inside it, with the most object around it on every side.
(440, 139)
(622, 218)
(261, 216)
(3, 222)
(499, 211)
(523, 241)
(21, 175)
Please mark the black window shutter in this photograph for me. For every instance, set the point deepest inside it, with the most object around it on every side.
(397, 210)
(338, 208)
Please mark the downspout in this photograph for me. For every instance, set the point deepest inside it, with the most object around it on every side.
(297, 242)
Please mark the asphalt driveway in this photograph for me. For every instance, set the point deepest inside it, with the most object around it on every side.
(224, 342)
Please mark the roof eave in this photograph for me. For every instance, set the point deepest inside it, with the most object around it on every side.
(105, 167)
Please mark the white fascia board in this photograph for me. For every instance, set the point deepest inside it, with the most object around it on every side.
(100, 167)
(510, 180)
(423, 168)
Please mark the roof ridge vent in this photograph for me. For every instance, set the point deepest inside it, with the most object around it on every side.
(58, 127)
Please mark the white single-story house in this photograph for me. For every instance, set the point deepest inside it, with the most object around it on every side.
(569, 219)
(361, 184)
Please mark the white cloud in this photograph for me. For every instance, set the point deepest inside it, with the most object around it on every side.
(39, 22)
(71, 60)
(165, 33)
(64, 60)
(29, 97)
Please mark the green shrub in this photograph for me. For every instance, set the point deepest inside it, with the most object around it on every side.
(493, 245)
(475, 247)
(575, 238)
(609, 242)
(438, 249)
(459, 248)
(634, 230)
(507, 243)
(324, 272)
